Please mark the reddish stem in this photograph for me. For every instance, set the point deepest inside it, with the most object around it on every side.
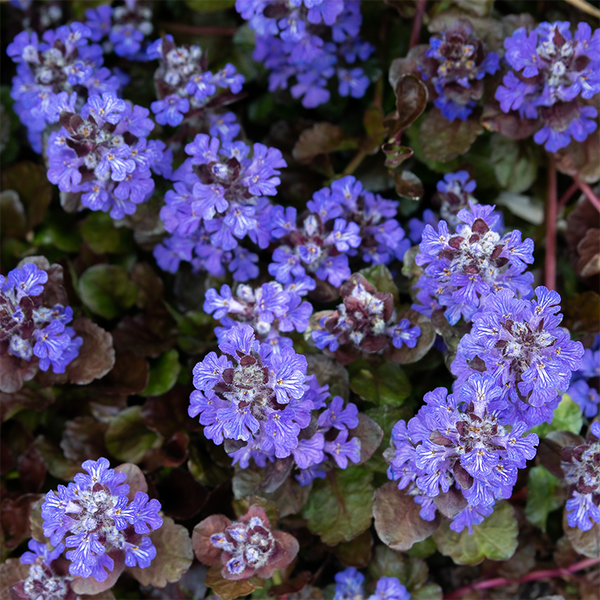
(551, 212)
(568, 194)
(199, 30)
(587, 190)
(535, 576)
(417, 22)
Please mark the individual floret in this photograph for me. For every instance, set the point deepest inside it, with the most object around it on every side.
(99, 522)
(457, 443)
(366, 322)
(104, 154)
(520, 344)
(456, 63)
(553, 73)
(463, 268)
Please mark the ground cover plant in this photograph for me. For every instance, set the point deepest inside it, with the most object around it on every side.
(299, 300)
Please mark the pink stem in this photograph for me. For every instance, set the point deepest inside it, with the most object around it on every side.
(587, 190)
(536, 575)
(417, 22)
(551, 213)
(568, 194)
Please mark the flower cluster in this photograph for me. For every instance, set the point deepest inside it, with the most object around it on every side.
(28, 328)
(584, 386)
(365, 322)
(269, 309)
(309, 41)
(126, 26)
(104, 153)
(457, 442)
(463, 268)
(344, 221)
(349, 586)
(245, 547)
(520, 344)
(101, 521)
(185, 87)
(249, 546)
(456, 63)
(553, 72)
(220, 196)
(262, 400)
(262, 406)
(45, 580)
(53, 74)
(580, 467)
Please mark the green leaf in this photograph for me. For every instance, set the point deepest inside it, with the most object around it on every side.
(210, 5)
(381, 278)
(495, 538)
(443, 140)
(567, 417)
(107, 290)
(515, 163)
(584, 542)
(542, 496)
(163, 374)
(29, 180)
(339, 507)
(174, 556)
(102, 236)
(380, 383)
(356, 553)
(127, 437)
(397, 520)
(13, 222)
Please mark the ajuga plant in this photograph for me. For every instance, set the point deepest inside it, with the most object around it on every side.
(299, 299)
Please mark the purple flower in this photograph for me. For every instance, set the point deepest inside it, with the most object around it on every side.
(342, 450)
(171, 110)
(581, 474)
(260, 399)
(95, 511)
(522, 347)
(456, 62)
(105, 147)
(309, 43)
(27, 281)
(460, 270)
(404, 334)
(349, 584)
(559, 70)
(459, 441)
(48, 72)
(390, 588)
(339, 417)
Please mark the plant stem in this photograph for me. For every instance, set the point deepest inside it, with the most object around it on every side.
(198, 29)
(535, 576)
(417, 23)
(551, 212)
(587, 190)
(568, 194)
(354, 163)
